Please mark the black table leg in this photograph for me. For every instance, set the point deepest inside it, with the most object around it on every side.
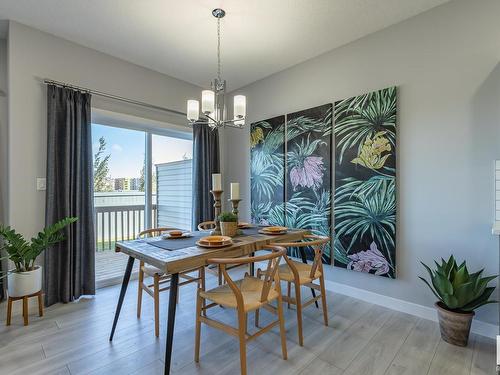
(172, 302)
(304, 260)
(126, 279)
(252, 266)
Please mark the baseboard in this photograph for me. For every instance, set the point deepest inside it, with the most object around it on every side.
(478, 327)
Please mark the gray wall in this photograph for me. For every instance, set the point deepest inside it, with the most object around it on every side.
(3, 130)
(446, 65)
(34, 55)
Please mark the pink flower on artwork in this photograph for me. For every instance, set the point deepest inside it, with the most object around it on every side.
(371, 259)
(309, 175)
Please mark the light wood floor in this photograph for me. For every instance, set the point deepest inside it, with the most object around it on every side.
(361, 339)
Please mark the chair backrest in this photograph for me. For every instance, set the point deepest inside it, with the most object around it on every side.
(271, 275)
(153, 232)
(206, 225)
(317, 243)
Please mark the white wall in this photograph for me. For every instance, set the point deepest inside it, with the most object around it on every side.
(446, 65)
(34, 55)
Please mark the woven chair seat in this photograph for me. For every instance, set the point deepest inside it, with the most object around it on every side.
(251, 290)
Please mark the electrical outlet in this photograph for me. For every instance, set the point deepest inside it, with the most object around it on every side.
(41, 183)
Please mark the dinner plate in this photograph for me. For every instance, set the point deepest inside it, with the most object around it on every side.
(214, 241)
(168, 236)
(274, 229)
(243, 225)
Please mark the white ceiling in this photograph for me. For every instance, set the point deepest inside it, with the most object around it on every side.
(178, 37)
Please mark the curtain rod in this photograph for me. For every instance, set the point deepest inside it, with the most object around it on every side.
(111, 96)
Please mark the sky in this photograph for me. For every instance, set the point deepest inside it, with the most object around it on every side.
(126, 148)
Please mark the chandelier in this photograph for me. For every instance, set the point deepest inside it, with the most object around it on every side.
(213, 101)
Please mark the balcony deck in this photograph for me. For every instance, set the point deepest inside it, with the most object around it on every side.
(110, 267)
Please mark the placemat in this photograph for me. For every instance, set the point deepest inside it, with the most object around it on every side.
(178, 243)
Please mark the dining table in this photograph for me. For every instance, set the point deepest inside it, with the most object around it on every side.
(175, 256)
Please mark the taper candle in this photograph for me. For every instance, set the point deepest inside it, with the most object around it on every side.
(216, 181)
(235, 190)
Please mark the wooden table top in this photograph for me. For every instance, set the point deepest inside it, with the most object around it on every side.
(185, 259)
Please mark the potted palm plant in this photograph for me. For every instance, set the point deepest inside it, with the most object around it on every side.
(26, 277)
(459, 294)
(228, 224)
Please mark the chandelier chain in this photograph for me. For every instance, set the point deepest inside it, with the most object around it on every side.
(218, 50)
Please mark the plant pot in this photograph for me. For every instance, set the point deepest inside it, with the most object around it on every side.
(454, 326)
(229, 228)
(24, 283)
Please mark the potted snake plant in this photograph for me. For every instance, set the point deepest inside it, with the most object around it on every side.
(228, 224)
(459, 294)
(26, 277)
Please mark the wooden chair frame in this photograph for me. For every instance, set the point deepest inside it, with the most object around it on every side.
(214, 269)
(270, 277)
(155, 288)
(317, 243)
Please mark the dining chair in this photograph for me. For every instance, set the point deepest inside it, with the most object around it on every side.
(245, 295)
(214, 269)
(159, 278)
(206, 225)
(302, 274)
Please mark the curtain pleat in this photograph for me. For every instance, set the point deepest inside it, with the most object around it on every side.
(69, 267)
(205, 162)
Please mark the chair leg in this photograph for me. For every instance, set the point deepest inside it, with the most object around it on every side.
(299, 313)
(219, 274)
(25, 310)
(139, 290)
(9, 312)
(40, 304)
(201, 283)
(257, 317)
(323, 299)
(282, 328)
(156, 292)
(242, 327)
(199, 302)
(289, 292)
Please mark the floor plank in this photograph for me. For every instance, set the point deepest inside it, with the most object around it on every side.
(378, 354)
(451, 359)
(415, 355)
(361, 339)
(483, 363)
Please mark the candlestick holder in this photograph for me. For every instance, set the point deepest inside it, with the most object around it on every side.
(217, 208)
(234, 204)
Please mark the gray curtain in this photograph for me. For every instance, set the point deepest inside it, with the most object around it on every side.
(205, 162)
(69, 266)
(2, 291)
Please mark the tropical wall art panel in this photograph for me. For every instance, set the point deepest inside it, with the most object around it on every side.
(308, 172)
(365, 183)
(267, 171)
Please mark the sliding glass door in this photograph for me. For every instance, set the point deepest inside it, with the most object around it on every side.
(142, 179)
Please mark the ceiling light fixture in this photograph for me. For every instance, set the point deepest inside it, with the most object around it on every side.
(213, 101)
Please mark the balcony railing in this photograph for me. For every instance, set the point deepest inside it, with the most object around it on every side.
(119, 223)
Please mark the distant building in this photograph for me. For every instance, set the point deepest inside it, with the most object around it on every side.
(134, 183)
(119, 183)
(126, 184)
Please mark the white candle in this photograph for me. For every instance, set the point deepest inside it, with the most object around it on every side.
(240, 106)
(193, 110)
(235, 190)
(216, 181)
